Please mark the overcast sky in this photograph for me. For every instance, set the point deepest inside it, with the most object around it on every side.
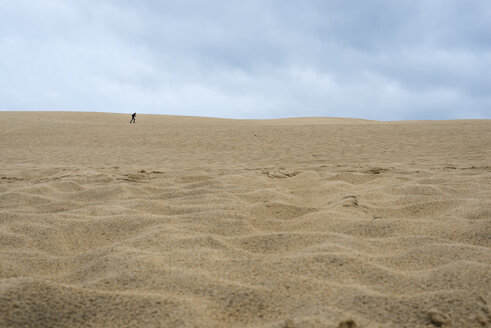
(374, 59)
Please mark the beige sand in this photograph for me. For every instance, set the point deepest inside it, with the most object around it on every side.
(200, 222)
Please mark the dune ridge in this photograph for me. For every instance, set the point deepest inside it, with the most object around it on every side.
(202, 222)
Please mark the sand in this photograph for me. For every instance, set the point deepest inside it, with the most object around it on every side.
(202, 222)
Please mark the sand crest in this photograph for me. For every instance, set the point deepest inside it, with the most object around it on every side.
(201, 222)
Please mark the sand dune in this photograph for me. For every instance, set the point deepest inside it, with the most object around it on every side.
(201, 222)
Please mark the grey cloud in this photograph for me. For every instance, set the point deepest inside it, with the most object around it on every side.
(380, 59)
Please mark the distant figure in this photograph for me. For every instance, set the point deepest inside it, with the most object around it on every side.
(133, 118)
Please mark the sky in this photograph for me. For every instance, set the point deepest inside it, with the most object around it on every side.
(372, 59)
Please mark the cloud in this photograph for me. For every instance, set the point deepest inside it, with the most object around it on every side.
(383, 60)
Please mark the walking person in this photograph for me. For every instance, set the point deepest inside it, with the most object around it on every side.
(133, 118)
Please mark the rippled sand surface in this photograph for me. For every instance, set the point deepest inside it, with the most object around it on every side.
(200, 222)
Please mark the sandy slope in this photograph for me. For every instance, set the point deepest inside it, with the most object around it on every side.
(180, 221)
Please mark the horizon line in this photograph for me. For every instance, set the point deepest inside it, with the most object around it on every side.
(236, 118)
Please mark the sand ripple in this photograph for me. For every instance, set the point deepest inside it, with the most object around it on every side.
(217, 237)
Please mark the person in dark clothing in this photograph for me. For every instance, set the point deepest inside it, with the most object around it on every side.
(133, 118)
